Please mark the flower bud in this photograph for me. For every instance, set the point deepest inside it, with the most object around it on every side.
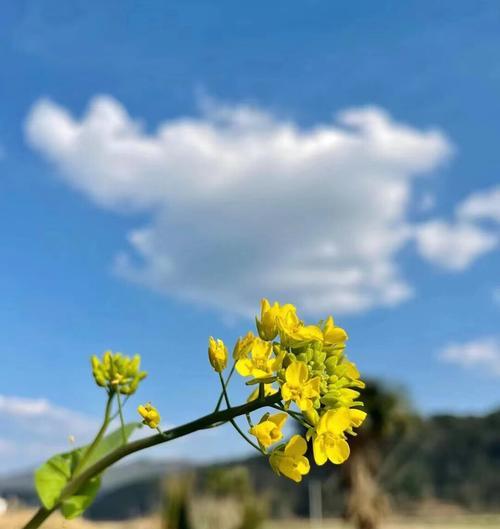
(150, 415)
(268, 323)
(217, 354)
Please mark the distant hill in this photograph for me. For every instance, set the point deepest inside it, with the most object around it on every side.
(446, 458)
(453, 459)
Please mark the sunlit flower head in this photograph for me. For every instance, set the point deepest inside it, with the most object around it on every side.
(298, 387)
(261, 363)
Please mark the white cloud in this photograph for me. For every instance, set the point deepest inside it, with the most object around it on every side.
(454, 246)
(44, 416)
(243, 204)
(34, 429)
(482, 353)
(484, 205)
(458, 244)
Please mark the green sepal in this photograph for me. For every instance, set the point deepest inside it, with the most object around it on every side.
(266, 380)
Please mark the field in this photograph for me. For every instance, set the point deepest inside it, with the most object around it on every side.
(459, 521)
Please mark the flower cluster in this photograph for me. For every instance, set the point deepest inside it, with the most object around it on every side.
(118, 373)
(318, 385)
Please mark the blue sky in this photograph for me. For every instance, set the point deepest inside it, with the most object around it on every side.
(166, 165)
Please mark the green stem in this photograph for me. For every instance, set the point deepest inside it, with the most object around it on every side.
(40, 516)
(115, 415)
(141, 444)
(233, 422)
(120, 413)
(98, 437)
(221, 396)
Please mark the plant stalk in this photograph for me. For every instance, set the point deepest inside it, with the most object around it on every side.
(98, 437)
(208, 421)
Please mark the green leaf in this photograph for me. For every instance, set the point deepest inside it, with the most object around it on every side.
(110, 442)
(78, 503)
(57, 472)
(52, 477)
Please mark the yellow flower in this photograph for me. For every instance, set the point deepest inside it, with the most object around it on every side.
(292, 330)
(329, 440)
(150, 415)
(268, 431)
(334, 337)
(289, 460)
(117, 372)
(268, 390)
(243, 346)
(299, 387)
(260, 364)
(217, 354)
(267, 325)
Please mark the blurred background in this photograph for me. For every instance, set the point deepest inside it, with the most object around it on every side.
(165, 165)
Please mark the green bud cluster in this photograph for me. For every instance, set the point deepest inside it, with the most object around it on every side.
(117, 372)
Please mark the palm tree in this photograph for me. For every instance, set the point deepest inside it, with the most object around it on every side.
(388, 420)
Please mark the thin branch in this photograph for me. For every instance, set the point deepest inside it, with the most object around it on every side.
(233, 422)
(120, 413)
(221, 396)
(98, 437)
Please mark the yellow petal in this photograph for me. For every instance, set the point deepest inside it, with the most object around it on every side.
(357, 417)
(264, 306)
(312, 332)
(312, 416)
(244, 367)
(352, 371)
(338, 421)
(289, 470)
(286, 392)
(262, 432)
(297, 446)
(296, 373)
(261, 349)
(304, 404)
(279, 419)
(319, 451)
(311, 388)
(303, 465)
(337, 451)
